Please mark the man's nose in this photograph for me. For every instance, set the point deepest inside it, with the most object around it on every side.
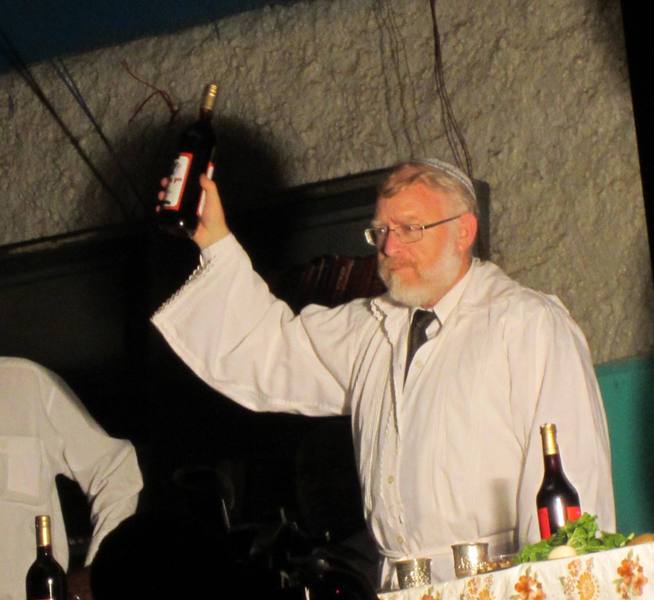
(391, 244)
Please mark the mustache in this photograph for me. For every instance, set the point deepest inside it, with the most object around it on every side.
(392, 262)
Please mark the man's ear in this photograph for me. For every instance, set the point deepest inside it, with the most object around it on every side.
(467, 231)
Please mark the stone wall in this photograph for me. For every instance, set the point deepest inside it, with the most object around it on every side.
(326, 88)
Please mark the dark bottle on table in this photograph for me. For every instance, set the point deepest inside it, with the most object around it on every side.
(178, 213)
(557, 500)
(45, 579)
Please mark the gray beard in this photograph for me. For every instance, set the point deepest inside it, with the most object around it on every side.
(435, 280)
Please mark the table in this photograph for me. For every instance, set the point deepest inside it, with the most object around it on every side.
(621, 574)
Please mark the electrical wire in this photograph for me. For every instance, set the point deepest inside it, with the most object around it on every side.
(170, 103)
(442, 91)
(398, 55)
(64, 74)
(452, 130)
(17, 63)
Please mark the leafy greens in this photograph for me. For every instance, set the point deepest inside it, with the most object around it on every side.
(581, 534)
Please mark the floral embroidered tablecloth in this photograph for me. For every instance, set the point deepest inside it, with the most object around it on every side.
(621, 574)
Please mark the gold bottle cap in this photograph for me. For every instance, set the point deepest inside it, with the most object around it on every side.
(209, 99)
(42, 524)
(548, 433)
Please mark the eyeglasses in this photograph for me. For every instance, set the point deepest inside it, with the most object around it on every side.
(407, 234)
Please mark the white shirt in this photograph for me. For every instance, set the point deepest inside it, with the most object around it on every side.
(454, 454)
(45, 430)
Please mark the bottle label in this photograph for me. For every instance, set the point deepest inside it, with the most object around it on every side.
(572, 513)
(544, 523)
(177, 183)
(209, 174)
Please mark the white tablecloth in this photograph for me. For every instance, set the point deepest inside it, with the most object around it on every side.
(622, 574)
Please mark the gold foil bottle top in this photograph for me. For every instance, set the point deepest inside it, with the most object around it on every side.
(209, 98)
(548, 433)
(42, 524)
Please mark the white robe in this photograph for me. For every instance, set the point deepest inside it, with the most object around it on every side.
(44, 431)
(452, 455)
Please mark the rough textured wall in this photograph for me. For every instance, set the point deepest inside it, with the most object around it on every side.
(325, 88)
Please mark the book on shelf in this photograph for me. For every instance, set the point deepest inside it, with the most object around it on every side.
(328, 280)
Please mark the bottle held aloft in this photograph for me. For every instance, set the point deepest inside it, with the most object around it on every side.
(178, 213)
(557, 500)
(45, 579)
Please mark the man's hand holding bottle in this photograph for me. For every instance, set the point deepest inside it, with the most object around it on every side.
(212, 225)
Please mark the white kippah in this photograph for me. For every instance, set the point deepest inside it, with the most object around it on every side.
(451, 170)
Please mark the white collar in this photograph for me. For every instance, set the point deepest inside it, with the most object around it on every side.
(444, 307)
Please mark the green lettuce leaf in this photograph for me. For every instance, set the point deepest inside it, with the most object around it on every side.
(581, 534)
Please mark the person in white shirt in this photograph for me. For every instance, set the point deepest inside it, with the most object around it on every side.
(45, 431)
(448, 450)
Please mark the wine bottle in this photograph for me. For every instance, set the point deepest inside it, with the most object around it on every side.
(557, 500)
(179, 211)
(45, 579)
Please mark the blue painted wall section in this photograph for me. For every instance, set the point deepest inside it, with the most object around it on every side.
(628, 391)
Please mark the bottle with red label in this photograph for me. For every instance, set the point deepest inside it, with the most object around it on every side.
(557, 500)
(45, 578)
(178, 213)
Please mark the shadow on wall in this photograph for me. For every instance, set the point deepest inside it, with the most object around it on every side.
(608, 28)
(246, 173)
(92, 295)
(628, 392)
(246, 170)
(80, 304)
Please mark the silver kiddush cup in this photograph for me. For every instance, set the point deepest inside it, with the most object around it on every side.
(413, 572)
(469, 559)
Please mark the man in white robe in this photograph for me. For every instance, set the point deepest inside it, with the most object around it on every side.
(448, 450)
(45, 431)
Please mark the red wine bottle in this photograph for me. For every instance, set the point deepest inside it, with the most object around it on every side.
(557, 500)
(45, 579)
(178, 213)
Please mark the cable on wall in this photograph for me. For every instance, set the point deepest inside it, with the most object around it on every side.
(65, 76)
(23, 70)
(406, 93)
(452, 130)
(173, 109)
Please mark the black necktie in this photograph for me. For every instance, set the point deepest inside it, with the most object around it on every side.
(417, 334)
